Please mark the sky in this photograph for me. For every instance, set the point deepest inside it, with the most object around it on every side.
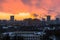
(22, 9)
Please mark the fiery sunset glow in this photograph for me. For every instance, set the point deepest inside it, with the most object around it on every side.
(22, 9)
(20, 16)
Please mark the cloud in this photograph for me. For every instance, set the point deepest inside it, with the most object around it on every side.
(33, 6)
(26, 1)
(1, 8)
(35, 3)
(1, 1)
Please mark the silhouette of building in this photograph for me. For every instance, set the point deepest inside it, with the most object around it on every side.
(11, 18)
(57, 19)
(43, 19)
(48, 18)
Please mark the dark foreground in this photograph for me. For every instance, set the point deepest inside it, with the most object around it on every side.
(49, 35)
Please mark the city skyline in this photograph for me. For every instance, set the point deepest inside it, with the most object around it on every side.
(29, 19)
(23, 16)
(20, 16)
(13, 18)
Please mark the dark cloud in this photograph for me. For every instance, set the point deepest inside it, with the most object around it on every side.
(2, 0)
(26, 1)
(37, 5)
(30, 3)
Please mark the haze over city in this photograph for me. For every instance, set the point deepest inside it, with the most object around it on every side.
(22, 9)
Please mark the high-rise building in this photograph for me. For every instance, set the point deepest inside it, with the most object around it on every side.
(48, 18)
(57, 20)
(11, 18)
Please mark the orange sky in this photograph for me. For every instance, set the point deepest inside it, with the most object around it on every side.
(39, 7)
